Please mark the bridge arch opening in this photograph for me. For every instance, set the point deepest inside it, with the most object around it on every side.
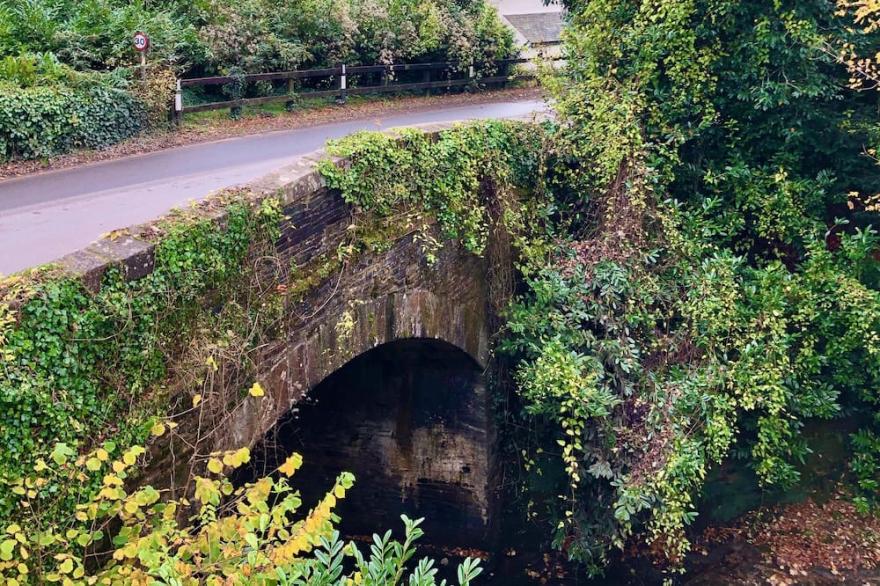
(410, 418)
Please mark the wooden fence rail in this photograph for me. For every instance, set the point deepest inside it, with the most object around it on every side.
(339, 78)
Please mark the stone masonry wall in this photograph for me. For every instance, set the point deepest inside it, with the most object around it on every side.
(379, 298)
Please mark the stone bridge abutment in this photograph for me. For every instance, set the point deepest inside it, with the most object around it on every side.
(378, 368)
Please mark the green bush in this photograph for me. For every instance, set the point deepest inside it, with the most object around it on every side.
(211, 36)
(714, 287)
(44, 121)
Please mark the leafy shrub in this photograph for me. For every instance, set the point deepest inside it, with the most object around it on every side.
(157, 95)
(47, 120)
(252, 534)
(96, 34)
(27, 69)
(713, 288)
(254, 35)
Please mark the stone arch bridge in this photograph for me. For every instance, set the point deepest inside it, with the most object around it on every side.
(382, 373)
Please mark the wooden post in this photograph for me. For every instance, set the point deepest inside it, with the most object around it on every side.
(290, 104)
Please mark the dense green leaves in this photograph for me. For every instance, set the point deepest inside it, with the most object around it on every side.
(451, 178)
(77, 364)
(210, 36)
(717, 288)
(56, 48)
(49, 120)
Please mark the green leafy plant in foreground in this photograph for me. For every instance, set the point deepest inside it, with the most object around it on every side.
(252, 534)
(88, 366)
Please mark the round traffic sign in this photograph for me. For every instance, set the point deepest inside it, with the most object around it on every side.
(141, 41)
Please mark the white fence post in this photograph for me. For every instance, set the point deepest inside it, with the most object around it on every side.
(342, 87)
(178, 104)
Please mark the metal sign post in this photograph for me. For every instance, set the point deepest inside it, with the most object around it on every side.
(141, 45)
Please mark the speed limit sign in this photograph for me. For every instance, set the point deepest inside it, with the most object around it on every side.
(141, 41)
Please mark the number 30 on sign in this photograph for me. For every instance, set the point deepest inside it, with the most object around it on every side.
(141, 41)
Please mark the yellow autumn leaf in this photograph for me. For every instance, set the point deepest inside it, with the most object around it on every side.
(196, 400)
(130, 456)
(215, 465)
(112, 480)
(236, 458)
(158, 429)
(257, 390)
(291, 465)
(102, 454)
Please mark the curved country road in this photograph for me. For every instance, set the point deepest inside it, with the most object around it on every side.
(48, 215)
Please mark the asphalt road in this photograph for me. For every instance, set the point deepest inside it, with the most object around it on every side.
(48, 215)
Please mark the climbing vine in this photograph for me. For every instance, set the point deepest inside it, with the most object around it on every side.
(698, 271)
(458, 178)
(92, 366)
(87, 373)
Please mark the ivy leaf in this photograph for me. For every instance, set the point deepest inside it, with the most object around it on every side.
(6, 549)
(60, 453)
(158, 429)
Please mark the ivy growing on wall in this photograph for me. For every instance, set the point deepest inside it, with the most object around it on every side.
(84, 368)
(80, 366)
(460, 177)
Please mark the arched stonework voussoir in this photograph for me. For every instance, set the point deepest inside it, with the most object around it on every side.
(383, 298)
(366, 324)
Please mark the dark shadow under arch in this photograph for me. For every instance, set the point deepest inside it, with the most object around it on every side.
(410, 419)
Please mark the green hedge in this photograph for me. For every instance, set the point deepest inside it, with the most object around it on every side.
(44, 121)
